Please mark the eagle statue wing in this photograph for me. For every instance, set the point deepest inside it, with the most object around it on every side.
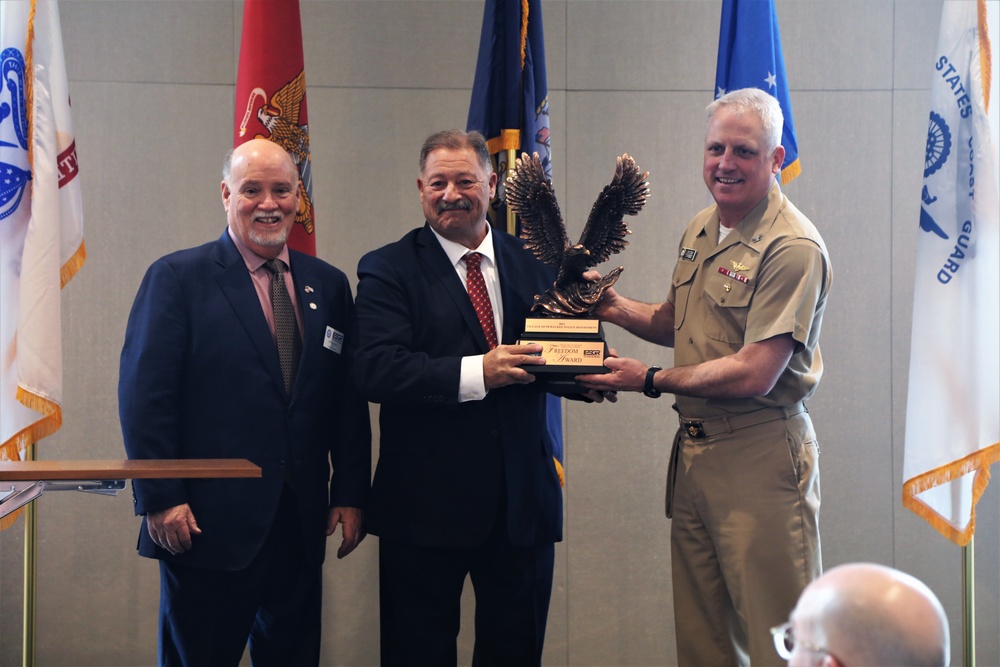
(529, 194)
(605, 231)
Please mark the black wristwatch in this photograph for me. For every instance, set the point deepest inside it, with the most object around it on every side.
(649, 389)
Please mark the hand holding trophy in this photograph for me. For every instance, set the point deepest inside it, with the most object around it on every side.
(572, 341)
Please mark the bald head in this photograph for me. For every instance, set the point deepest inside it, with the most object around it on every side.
(867, 614)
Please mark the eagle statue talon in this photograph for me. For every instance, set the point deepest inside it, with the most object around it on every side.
(530, 195)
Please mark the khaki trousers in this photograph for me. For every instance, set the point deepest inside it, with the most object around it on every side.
(744, 538)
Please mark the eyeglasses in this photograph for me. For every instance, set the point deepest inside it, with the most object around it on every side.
(785, 642)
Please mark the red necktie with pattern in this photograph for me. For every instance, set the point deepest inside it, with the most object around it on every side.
(480, 297)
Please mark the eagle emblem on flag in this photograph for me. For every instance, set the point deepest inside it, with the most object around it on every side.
(280, 117)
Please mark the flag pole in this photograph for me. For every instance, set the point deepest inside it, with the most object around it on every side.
(28, 644)
(511, 216)
(969, 604)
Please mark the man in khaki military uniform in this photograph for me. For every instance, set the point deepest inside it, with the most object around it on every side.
(743, 315)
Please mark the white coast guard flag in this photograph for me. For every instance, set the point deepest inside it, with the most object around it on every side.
(41, 221)
(953, 406)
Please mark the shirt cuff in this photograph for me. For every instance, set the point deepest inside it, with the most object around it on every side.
(472, 384)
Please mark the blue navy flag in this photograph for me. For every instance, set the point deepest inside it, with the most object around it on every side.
(510, 104)
(750, 57)
(510, 107)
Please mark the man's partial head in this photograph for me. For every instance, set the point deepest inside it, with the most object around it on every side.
(742, 151)
(868, 614)
(754, 101)
(260, 192)
(456, 185)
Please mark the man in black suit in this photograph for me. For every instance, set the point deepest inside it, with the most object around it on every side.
(465, 482)
(201, 378)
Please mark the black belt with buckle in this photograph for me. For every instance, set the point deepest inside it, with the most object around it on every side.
(703, 428)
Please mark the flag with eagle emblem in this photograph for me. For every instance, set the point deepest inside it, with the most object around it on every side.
(41, 223)
(953, 401)
(271, 97)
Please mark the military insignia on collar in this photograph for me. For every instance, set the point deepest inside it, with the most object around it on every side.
(688, 254)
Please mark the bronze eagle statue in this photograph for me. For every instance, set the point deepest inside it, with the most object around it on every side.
(529, 194)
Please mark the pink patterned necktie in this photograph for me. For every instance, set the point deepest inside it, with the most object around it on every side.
(480, 297)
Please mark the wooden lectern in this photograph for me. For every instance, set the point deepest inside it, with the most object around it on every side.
(23, 481)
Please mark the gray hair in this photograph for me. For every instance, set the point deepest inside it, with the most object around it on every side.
(227, 166)
(762, 105)
(457, 140)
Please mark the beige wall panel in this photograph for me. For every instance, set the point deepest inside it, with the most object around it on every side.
(915, 35)
(850, 414)
(842, 45)
(641, 45)
(149, 41)
(408, 44)
(371, 44)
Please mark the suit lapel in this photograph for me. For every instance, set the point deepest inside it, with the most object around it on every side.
(310, 299)
(235, 282)
(511, 289)
(433, 255)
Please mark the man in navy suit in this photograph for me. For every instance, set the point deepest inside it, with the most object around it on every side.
(241, 559)
(465, 482)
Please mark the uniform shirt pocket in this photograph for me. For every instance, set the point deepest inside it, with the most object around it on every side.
(682, 281)
(727, 295)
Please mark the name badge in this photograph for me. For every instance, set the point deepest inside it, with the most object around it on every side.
(333, 340)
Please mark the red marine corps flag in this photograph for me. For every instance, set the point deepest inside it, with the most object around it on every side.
(271, 97)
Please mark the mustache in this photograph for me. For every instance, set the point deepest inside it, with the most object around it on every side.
(461, 205)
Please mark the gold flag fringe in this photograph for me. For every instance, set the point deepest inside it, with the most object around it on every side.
(985, 54)
(72, 265)
(978, 462)
(508, 140)
(790, 172)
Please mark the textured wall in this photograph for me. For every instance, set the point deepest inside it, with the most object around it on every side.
(152, 84)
